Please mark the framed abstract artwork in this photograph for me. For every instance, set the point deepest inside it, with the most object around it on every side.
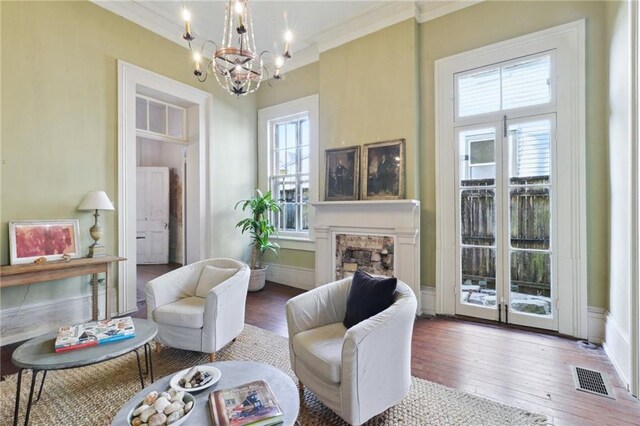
(51, 239)
(342, 170)
(383, 170)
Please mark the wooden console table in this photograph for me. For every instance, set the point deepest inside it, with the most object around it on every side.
(12, 275)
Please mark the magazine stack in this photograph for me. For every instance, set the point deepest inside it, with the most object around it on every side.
(94, 333)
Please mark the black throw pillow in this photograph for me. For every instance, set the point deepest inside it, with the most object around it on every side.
(368, 296)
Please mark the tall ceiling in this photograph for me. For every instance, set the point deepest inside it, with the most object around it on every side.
(314, 24)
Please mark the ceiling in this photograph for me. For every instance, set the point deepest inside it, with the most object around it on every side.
(316, 25)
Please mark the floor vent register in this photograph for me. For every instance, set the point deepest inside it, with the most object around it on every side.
(592, 381)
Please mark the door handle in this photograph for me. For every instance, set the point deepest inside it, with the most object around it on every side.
(140, 238)
(166, 225)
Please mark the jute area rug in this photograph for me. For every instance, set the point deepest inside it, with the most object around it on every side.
(93, 395)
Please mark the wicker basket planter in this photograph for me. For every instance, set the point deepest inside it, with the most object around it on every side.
(258, 276)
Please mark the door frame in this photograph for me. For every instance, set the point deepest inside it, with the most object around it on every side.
(198, 231)
(569, 42)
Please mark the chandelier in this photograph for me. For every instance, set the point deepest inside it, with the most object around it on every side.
(238, 67)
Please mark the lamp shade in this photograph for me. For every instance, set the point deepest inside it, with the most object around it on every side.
(96, 200)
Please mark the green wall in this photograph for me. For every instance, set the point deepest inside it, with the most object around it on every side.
(59, 125)
(358, 107)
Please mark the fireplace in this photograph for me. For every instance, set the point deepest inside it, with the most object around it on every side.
(378, 237)
(372, 254)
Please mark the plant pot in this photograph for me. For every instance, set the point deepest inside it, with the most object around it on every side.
(257, 279)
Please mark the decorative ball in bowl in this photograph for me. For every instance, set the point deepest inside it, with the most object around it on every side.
(171, 407)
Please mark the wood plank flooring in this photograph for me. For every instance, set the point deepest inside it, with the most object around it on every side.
(512, 366)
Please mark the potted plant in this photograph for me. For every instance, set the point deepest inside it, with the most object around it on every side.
(260, 228)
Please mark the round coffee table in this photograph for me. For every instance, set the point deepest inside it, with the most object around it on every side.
(38, 354)
(234, 373)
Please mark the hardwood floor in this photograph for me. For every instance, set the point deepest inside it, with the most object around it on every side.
(512, 366)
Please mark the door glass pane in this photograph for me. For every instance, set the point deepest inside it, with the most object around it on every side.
(478, 286)
(530, 217)
(526, 82)
(477, 157)
(531, 282)
(478, 92)
(478, 217)
(529, 151)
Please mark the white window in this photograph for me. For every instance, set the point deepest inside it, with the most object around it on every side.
(287, 137)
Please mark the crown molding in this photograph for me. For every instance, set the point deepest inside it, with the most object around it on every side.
(304, 57)
(367, 22)
(136, 12)
(445, 9)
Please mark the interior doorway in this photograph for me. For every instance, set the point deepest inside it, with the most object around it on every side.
(162, 126)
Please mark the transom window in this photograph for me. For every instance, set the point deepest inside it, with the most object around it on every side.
(522, 82)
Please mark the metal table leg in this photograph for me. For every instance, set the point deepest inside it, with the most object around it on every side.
(139, 367)
(32, 388)
(148, 360)
(44, 376)
(17, 406)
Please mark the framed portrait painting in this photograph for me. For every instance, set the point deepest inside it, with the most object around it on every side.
(51, 239)
(383, 170)
(342, 170)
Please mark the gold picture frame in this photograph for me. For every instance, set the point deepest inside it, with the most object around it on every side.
(383, 170)
(342, 173)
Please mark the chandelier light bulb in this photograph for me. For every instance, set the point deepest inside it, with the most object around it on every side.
(197, 57)
(288, 36)
(239, 7)
(279, 62)
(187, 25)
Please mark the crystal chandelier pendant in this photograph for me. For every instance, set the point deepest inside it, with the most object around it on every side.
(237, 66)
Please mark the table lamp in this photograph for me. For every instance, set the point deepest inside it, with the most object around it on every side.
(96, 200)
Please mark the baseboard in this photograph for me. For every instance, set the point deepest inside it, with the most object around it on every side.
(26, 322)
(616, 346)
(427, 300)
(293, 276)
(596, 318)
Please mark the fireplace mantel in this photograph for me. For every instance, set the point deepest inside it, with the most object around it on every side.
(399, 219)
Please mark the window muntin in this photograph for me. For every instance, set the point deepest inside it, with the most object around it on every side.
(289, 172)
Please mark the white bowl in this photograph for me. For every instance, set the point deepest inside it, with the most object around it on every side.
(187, 398)
(203, 368)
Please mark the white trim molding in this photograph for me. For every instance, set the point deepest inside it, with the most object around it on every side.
(570, 253)
(198, 237)
(597, 324)
(25, 322)
(428, 300)
(430, 13)
(292, 276)
(616, 346)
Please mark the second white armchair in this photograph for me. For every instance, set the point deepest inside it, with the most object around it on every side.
(201, 306)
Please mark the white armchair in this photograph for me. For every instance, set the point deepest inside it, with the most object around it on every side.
(188, 321)
(357, 372)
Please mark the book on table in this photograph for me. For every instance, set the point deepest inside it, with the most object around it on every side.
(94, 333)
(251, 404)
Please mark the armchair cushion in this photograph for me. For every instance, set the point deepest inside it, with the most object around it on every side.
(320, 349)
(368, 296)
(187, 313)
(210, 277)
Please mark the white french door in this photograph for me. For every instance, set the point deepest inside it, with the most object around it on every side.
(505, 220)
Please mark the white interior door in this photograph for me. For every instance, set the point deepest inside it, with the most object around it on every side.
(152, 216)
(506, 268)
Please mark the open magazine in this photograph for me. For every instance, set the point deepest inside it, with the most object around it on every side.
(249, 404)
(94, 333)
